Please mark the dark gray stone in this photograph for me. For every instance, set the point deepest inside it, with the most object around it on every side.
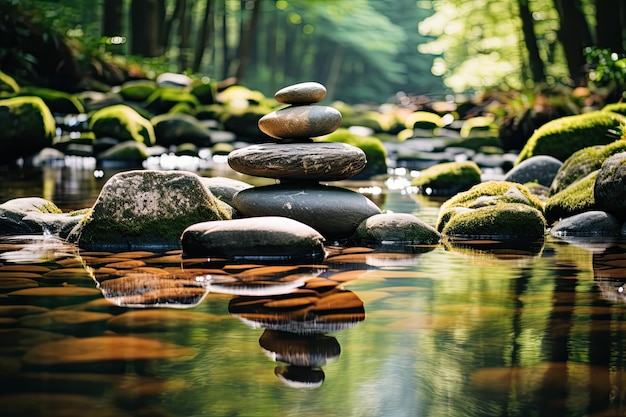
(300, 122)
(589, 223)
(334, 212)
(540, 169)
(329, 161)
(266, 238)
(610, 186)
(224, 188)
(302, 93)
(396, 228)
(175, 129)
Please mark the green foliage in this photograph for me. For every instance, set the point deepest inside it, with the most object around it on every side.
(606, 66)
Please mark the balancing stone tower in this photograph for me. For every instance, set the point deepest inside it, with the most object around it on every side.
(300, 164)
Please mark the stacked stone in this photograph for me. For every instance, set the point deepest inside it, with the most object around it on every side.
(300, 164)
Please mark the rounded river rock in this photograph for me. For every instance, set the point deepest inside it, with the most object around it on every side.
(302, 93)
(300, 122)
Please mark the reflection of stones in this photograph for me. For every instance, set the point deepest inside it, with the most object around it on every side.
(318, 307)
(609, 273)
(299, 350)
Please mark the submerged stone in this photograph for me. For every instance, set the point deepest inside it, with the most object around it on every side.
(300, 122)
(299, 161)
(333, 211)
(148, 210)
(269, 238)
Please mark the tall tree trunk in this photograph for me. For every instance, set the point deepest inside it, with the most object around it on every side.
(574, 34)
(205, 36)
(184, 30)
(225, 46)
(179, 10)
(112, 17)
(610, 32)
(530, 40)
(146, 22)
(247, 40)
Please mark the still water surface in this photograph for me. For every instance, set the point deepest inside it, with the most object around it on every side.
(435, 331)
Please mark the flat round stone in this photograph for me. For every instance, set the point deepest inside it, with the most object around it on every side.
(302, 93)
(328, 161)
(334, 212)
(297, 122)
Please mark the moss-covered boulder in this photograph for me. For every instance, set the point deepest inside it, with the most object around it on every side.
(375, 152)
(244, 122)
(487, 194)
(26, 127)
(164, 98)
(137, 90)
(448, 178)
(57, 101)
(562, 137)
(395, 228)
(610, 186)
(498, 221)
(127, 151)
(205, 90)
(35, 215)
(584, 162)
(175, 129)
(147, 210)
(122, 122)
(576, 198)
(424, 120)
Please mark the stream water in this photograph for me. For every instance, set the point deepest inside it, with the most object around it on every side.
(472, 330)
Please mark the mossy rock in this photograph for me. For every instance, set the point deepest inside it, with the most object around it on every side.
(584, 162)
(33, 215)
(137, 90)
(375, 152)
(424, 120)
(57, 101)
(487, 193)
(240, 96)
(129, 150)
(164, 98)
(448, 178)
(123, 123)
(174, 129)
(147, 210)
(204, 90)
(26, 127)
(616, 108)
(8, 85)
(478, 126)
(562, 137)
(209, 112)
(500, 221)
(576, 198)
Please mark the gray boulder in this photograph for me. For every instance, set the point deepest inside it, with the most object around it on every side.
(149, 210)
(396, 228)
(589, 223)
(267, 238)
(540, 169)
(610, 186)
(35, 215)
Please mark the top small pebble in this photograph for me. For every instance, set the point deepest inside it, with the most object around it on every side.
(302, 93)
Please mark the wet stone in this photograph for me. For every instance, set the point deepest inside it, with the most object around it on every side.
(300, 122)
(302, 93)
(75, 323)
(54, 296)
(331, 161)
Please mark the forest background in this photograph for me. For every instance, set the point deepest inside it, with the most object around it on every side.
(364, 51)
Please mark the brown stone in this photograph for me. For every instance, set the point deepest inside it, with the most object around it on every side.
(302, 93)
(299, 122)
(328, 161)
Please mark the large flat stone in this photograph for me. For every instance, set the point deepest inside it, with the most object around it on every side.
(329, 161)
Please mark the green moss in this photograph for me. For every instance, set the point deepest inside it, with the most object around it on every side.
(8, 85)
(449, 177)
(576, 198)
(375, 152)
(423, 120)
(164, 98)
(49, 207)
(562, 137)
(204, 90)
(126, 151)
(122, 122)
(478, 126)
(507, 220)
(137, 90)
(583, 162)
(57, 101)
(616, 108)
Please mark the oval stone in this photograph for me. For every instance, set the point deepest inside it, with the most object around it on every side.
(329, 161)
(300, 122)
(333, 211)
(267, 238)
(301, 93)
